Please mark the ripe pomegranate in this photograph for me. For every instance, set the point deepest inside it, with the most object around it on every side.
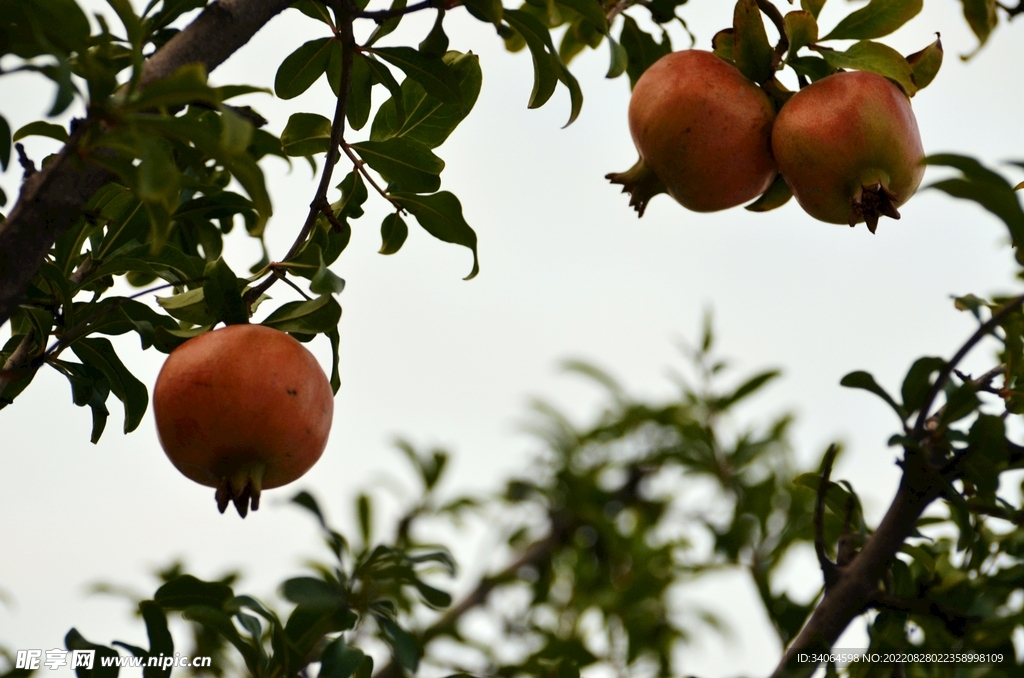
(702, 130)
(849, 148)
(242, 408)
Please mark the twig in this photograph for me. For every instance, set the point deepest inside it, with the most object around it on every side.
(328, 211)
(1012, 11)
(16, 360)
(618, 8)
(360, 166)
(27, 165)
(382, 15)
(940, 381)
(335, 143)
(828, 568)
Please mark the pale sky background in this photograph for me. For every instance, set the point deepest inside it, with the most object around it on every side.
(567, 270)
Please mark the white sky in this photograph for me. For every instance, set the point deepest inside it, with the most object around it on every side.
(566, 271)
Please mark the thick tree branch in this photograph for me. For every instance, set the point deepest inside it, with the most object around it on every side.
(51, 200)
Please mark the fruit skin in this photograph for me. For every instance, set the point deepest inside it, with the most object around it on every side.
(704, 129)
(849, 148)
(242, 408)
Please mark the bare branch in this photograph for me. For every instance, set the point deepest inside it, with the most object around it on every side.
(51, 200)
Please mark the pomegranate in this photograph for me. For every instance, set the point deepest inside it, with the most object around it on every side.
(702, 130)
(243, 408)
(849, 148)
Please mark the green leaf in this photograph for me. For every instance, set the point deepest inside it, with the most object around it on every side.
(777, 195)
(722, 45)
(591, 10)
(353, 195)
(187, 85)
(302, 68)
(748, 388)
(405, 163)
(960, 403)
(874, 57)
(641, 48)
(5, 145)
(619, 59)
(365, 513)
(812, 68)
(429, 120)
(926, 63)
(339, 660)
(440, 215)
(325, 281)
(488, 11)
(100, 668)
(538, 39)
(314, 10)
(335, 339)
(435, 598)
(223, 294)
(986, 454)
(433, 74)
(360, 96)
(215, 620)
(188, 591)
(306, 134)
(982, 17)
(189, 306)
(751, 50)
(918, 381)
(306, 317)
(878, 18)
(160, 641)
(812, 6)
(801, 29)
(235, 132)
(864, 380)
(314, 594)
(393, 232)
(88, 387)
(406, 652)
(985, 187)
(100, 354)
(436, 43)
(383, 75)
(389, 25)
(39, 128)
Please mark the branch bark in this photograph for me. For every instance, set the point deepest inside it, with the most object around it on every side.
(51, 200)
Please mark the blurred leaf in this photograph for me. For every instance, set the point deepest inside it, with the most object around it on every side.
(188, 591)
(486, 10)
(314, 594)
(5, 145)
(160, 641)
(960, 403)
(982, 17)
(39, 128)
(74, 641)
(864, 380)
(339, 660)
(985, 187)
(918, 381)
(876, 19)
(302, 68)
(402, 643)
(187, 85)
(619, 59)
(591, 10)
(440, 215)
(812, 6)
(223, 294)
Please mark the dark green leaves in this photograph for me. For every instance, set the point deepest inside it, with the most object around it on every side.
(393, 233)
(918, 381)
(878, 18)
(100, 355)
(306, 317)
(432, 73)
(864, 380)
(926, 63)
(777, 195)
(981, 17)
(985, 187)
(751, 50)
(223, 294)
(801, 30)
(187, 591)
(306, 134)
(440, 215)
(408, 165)
(302, 68)
(38, 128)
(5, 143)
(548, 68)
(641, 49)
(339, 660)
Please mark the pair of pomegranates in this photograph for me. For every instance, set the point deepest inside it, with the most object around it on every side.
(847, 145)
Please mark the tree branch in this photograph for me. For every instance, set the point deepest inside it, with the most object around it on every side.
(383, 14)
(319, 202)
(51, 200)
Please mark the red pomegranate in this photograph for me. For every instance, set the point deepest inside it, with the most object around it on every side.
(702, 130)
(242, 409)
(849, 148)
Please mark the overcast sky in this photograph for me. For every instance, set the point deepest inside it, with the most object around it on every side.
(567, 270)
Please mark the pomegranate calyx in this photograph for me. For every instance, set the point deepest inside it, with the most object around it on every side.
(640, 182)
(242, 488)
(872, 203)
